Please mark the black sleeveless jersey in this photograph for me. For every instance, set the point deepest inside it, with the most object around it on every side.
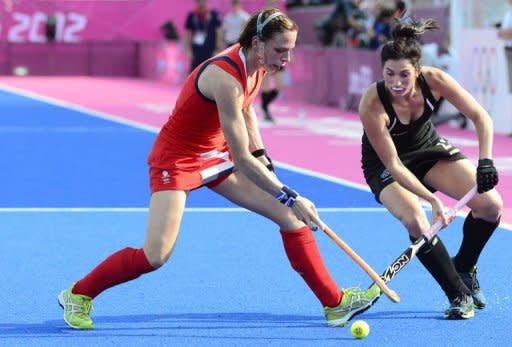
(411, 137)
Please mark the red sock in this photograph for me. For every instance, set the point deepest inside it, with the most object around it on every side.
(304, 255)
(122, 266)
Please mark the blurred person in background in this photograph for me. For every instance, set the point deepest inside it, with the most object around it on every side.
(234, 22)
(332, 28)
(50, 28)
(402, 9)
(203, 34)
(357, 25)
(345, 26)
(379, 30)
(505, 33)
(272, 84)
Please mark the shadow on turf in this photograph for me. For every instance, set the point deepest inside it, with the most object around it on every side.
(194, 321)
(435, 315)
(178, 321)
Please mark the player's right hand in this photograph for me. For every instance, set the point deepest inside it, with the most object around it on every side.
(306, 211)
(438, 213)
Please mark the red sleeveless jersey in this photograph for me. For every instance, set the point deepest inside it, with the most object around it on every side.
(190, 149)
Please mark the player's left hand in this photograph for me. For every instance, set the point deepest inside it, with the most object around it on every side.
(486, 175)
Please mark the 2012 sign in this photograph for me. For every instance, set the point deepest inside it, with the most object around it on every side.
(30, 27)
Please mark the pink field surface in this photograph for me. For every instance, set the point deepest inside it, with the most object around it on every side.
(325, 140)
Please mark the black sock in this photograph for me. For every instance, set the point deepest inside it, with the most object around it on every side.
(265, 100)
(272, 95)
(436, 260)
(268, 97)
(476, 234)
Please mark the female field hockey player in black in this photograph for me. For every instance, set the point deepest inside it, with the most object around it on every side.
(403, 158)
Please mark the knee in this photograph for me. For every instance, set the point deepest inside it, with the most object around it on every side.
(415, 223)
(291, 224)
(157, 254)
(286, 220)
(490, 211)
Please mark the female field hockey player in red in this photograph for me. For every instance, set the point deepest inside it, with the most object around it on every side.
(403, 158)
(212, 130)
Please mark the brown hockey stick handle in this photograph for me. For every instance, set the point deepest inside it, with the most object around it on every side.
(391, 294)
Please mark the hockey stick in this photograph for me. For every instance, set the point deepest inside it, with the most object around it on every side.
(392, 295)
(411, 251)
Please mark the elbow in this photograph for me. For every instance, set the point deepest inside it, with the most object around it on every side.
(394, 167)
(482, 121)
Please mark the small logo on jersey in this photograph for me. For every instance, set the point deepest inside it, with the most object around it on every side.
(165, 177)
(402, 133)
(447, 146)
(385, 175)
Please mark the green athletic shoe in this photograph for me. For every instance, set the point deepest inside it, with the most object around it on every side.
(76, 309)
(355, 301)
(460, 308)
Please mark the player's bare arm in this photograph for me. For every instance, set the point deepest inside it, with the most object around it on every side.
(253, 131)
(228, 94)
(187, 40)
(444, 85)
(219, 40)
(504, 34)
(375, 121)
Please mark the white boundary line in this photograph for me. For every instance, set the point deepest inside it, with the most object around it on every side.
(145, 209)
(78, 108)
(121, 120)
(323, 176)
(7, 210)
(141, 126)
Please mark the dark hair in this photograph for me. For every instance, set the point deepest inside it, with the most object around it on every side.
(405, 43)
(401, 6)
(279, 24)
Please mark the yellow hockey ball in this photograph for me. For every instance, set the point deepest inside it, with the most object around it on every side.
(360, 329)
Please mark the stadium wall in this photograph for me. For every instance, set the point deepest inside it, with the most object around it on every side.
(92, 20)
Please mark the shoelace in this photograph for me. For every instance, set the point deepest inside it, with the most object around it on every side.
(460, 301)
(475, 285)
(85, 307)
(456, 302)
(356, 296)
